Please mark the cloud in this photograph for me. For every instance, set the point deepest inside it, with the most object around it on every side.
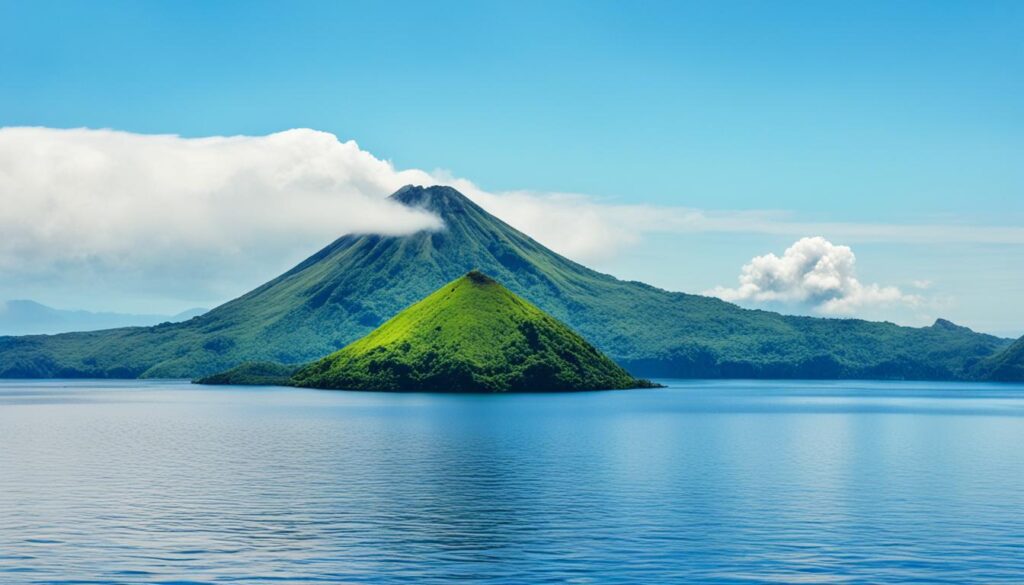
(203, 219)
(103, 202)
(588, 229)
(212, 216)
(574, 225)
(812, 273)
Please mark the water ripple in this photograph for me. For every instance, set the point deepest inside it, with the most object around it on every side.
(728, 482)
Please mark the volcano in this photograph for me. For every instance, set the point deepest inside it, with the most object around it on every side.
(353, 285)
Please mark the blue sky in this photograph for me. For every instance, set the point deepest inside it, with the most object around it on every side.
(875, 113)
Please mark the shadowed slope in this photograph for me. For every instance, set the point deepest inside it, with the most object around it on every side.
(252, 374)
(1005, 366)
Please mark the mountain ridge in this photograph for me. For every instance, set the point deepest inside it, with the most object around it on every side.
(355, 283)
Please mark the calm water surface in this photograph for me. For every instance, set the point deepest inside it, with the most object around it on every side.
(106, 482)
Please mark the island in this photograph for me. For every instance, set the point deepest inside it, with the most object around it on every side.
(471, 335)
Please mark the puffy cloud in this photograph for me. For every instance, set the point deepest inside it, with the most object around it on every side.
(813, 273)
(161, 210)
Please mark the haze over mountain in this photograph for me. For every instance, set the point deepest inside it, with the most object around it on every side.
(26, 317)
(357, 282)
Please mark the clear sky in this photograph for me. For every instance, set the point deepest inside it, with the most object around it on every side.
(859, 113)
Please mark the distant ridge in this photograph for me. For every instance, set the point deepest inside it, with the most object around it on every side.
(26, 317)
(359, 281)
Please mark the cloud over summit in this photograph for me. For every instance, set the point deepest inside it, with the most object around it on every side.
(165, 212)
(211, 216)
(198, 220)
(120, 203)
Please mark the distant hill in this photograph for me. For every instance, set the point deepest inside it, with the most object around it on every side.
(471, 335)
(253, 374)
(353, 285)
(24, 317)
(1005, 366)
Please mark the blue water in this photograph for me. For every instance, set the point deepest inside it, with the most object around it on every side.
(834, 482)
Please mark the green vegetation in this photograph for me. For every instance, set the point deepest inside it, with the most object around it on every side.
(472, 335)
(356, 283)
(1005, 366)
(253, 374)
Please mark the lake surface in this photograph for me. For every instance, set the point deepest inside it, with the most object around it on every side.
(820, 482)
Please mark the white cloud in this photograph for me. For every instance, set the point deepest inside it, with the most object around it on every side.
(101, 203)
(574, 225)
(215, 215)
(204, 219)
(586, 228)
(812, 273)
